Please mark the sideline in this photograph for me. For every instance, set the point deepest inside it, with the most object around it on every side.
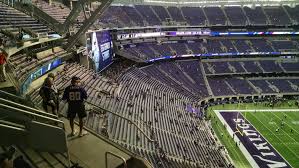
(236, 139)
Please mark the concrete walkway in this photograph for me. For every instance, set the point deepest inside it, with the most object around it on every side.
(89, 151)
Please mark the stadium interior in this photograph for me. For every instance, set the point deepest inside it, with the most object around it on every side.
(152, 70)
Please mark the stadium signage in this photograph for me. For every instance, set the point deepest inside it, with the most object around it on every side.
(220, 54)
(256, 145)
(205, 32)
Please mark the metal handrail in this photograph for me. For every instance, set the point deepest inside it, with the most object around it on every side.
(130, 121)
(31, 114)
(36, 111)
(115, 155)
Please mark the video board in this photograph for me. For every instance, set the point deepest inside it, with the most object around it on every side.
(100, 48)
(204, 32)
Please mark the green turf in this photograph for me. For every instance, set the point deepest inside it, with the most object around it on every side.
(236, 155)
(284, 141)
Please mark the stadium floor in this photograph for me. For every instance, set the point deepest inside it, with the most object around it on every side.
(286, 139)
(266, 123)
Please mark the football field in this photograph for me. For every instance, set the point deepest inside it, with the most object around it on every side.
(281, 130)
(279, 127)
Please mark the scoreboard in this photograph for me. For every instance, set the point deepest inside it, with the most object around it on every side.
(100, 48)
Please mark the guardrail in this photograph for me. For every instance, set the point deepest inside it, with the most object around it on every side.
(29, 127)
(115, 155)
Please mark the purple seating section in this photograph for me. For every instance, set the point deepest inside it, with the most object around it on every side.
(282, 85)
(180, 48)
(235, 15)
(219, 87)
(236, 66)
(116, 16)
(293, 12)
(270, 66)
(229, 45)
(163, 49)
(186, 77)
(262, 85)
(194, 15)
(195, 47)
(193, 70)
(262, 66)
(219, 67)
(215, 15)
(176, 14)
(240, 86)
(252, 66)
(216, 46)
(210, 16)
(284, 45)
(242, 46)
(277, 15)
(148, 14)
(213, 46)
(133, 15)
(161, 12)
(260, 45)
(290, 66)
(256, 16)
(164, 89)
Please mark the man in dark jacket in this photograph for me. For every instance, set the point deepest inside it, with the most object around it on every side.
(49, 96)
(75, 95)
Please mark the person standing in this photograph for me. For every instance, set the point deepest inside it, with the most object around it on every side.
(2, 63)
(75, 95)
(6, 158)
(49, 96)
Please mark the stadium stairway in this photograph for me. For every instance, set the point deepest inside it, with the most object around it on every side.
(205, 79)
(90, 151)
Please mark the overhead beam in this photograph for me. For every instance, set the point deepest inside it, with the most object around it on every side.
(74, 14)
(87, 23)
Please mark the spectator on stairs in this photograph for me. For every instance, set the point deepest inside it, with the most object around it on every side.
(75, 95)
(49, 96)
(2, 63)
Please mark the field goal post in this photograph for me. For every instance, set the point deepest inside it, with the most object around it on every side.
(237, 126)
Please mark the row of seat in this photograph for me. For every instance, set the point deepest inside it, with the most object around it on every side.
(150, 15)
(24, 64)
(247, 67)
(139, 107)
(57, 10)
(147, 51)
(157, 98)
(13, 19)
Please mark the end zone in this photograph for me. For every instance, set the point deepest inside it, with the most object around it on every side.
(256, 149)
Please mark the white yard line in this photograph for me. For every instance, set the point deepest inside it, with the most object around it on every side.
(237, 140)
(288, 126)
(241, 146)
(284, 130)
(273, 133)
